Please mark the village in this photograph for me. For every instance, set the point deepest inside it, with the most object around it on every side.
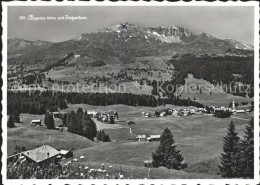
(127, 126)
(112, 117)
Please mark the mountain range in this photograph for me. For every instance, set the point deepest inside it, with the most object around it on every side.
(115, 45)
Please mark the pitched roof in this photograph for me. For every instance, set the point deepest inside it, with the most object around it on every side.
(36, 120)
(42, 153)
(155, 136)
(64, 152)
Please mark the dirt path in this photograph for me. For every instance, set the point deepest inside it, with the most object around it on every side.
(130, 130)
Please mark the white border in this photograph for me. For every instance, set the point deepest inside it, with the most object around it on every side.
(132, 182)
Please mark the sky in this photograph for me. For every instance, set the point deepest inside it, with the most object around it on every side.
(222, 22)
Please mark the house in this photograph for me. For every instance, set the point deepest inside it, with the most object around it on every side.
(162, 114)
(77, 56)
(141, 137)
(113, 114)
(240, 111)
(66, 153)
(147, 115)
(43, 154)
(148, 163)
(192, 111)
(36, 122)
(153, 138)
(186, 112)
(93, 114)
(56, 114)
(175, 113)
(104, 119)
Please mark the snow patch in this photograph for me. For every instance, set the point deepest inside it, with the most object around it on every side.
(167, 39)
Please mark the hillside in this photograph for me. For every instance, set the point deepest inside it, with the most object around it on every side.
(115, 46)
(129, 60)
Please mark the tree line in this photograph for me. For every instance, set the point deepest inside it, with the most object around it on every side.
(39, 102)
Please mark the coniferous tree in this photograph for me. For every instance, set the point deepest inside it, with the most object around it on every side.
(229, 157)
(16, 117)
(10, 122)
(167, 154)
(64, 119)
(247, 148)
(72, 121)
(102, 136)
(49, 121)
(89, 129)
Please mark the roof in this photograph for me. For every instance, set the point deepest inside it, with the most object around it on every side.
(92, 112)
(155, 136)
(64, 152)
(36, 120)
(141, 137)
(42, 153)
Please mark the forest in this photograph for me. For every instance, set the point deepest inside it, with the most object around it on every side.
(221, 70)
(38, 102)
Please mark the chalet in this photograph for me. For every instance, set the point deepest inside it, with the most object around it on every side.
(192, 111)
(141, 137)
(187, 113)
(175, 113)
(147, 115)
(148, 163)
(77, 56)
(93, 114)
(56, 114)
(153, 138)
(162, 114)
(36, 122)
(240, 111)
(113, 114)
(43, 154)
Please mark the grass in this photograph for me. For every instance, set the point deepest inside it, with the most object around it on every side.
(217, 98)
(32, 137)
(136, 172)
(200, 139)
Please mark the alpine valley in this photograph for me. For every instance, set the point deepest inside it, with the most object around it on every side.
(134, 103)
